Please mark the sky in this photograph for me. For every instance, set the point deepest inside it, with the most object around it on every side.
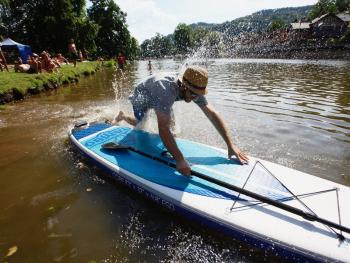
(145, 18)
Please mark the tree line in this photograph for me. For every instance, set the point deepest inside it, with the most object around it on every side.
(329, 6)
(184, 40)
(100, 29)
(189, 38)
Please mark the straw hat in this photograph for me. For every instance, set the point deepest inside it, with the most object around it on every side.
(196, 79)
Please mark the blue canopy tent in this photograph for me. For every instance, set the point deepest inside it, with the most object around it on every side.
(24, 50)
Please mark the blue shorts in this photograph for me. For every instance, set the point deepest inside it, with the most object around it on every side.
(139, 112)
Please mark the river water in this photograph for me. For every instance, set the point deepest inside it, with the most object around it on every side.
(56, 208)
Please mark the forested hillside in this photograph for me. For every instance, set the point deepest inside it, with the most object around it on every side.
(259, 21)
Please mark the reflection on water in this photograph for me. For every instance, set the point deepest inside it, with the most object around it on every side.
(308, 95)
(55, 207)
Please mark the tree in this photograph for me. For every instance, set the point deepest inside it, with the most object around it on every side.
(158, 46)
(161, 46)
(214, 44)
(3, 7)
(183, 38)
(323, 7)
(48, 25)
(276, 24)
(86, 34)
(199, 35)
(199, 41)
(146, 48)
(329, 6)
(113, 36)
(343, 5)
(135, 50)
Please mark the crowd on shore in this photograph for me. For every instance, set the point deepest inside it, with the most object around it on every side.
(45, 62)
(38, 64)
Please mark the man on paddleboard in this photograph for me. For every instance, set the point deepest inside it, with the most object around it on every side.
(160, 91)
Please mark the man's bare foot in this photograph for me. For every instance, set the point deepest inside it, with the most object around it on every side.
(120, 117)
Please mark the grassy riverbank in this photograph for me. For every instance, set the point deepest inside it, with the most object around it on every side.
(14, 86)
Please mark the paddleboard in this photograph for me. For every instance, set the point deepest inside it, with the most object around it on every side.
(264, 226)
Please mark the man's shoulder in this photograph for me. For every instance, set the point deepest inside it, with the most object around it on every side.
(162, 78)
(165, 76)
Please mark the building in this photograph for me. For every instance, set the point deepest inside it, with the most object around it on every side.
(301, 26)
(300, 30)
(328, 25)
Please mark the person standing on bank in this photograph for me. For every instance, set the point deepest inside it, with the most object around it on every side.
(3, 60)
(73, 52)
(160, 91)
(121, 60)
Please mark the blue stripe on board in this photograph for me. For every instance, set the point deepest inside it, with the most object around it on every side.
(81, 133)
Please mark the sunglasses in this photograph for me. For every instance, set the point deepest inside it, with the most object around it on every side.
(192, 94)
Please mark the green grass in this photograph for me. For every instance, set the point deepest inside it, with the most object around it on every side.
(22, 82)
(109, 64)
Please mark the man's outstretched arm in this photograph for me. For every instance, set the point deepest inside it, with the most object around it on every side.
(220, 126)
(164, 121)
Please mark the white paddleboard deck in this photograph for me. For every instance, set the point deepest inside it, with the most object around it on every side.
(261, 225)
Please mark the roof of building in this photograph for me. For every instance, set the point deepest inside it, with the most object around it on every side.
(300, 25)
(320, 18)
(345, 16)
(323, 16)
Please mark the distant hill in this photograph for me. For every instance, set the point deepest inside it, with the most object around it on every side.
(257, 22)
(250, 36)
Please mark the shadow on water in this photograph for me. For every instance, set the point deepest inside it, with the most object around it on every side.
(55, 207)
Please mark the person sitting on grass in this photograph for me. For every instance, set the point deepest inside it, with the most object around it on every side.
(47, 63)
(80, 56)
(85, 54)
(100, 60)
(25, 68)
(35, 62)
(61, 59)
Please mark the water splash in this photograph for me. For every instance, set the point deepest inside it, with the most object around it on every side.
(150, 124)
(117, 84)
